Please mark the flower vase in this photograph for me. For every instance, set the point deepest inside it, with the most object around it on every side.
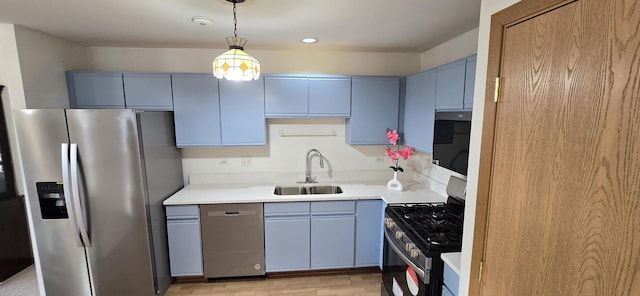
(394, 184)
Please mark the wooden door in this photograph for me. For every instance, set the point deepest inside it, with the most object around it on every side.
(563, 211)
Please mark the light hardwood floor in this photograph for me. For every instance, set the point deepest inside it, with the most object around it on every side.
(360, 284)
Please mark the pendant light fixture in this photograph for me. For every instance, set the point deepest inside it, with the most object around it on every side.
(235, 64)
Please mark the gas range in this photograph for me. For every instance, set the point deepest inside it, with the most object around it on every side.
(434, 227)
(415, 236)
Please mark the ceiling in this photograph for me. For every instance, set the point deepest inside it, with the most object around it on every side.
(353, 25)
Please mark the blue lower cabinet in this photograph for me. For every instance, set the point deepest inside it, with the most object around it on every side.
(451, 281)
(286, 244)
(446, 292)
(369, 216)
(332, 241)
(309, 236)
(287, 233)
(185, 241)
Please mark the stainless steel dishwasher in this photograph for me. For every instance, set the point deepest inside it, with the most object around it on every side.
(232, 240)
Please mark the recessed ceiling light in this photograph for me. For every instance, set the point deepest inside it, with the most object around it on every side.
(202, 20)
(309, 40)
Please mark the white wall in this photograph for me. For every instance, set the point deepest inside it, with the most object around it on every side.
(285, 155)
(488, 7)
(33, 67)
(461, 46)
(199, 61)
(43, 62)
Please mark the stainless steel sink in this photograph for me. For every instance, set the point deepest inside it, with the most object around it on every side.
(328, 189)
(289, 190)
(307, 189)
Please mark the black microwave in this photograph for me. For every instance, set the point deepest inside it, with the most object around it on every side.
(451, 135)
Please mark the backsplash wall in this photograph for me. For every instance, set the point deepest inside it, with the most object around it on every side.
(286, 156)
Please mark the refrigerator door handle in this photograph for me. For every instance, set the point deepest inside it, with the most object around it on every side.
(67, 194)
(75, 190)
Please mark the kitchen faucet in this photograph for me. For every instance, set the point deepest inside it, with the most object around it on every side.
(307, 172)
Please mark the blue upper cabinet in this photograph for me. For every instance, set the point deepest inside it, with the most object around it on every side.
(95, 90)
(450, 86)
(419, 112)
(374, 109)
(303, 96)
(196, 110)
(329, 97)
(242, 113)
(144, 91)
(148, 91)
(469, 82)
(286, 96)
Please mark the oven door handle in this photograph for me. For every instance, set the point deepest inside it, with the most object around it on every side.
(404, 258)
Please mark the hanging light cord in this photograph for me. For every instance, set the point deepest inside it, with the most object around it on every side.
(235, 21)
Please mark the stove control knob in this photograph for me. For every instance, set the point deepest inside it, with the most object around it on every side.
(415, 253)
(399, 234)
(388, 222)
(409, 246)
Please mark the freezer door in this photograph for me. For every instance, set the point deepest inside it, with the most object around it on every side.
(112, 192)
(62, 259)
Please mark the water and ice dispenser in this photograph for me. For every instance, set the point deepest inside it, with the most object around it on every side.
(52, 203)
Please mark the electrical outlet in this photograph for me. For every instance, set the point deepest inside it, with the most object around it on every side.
(245, 161)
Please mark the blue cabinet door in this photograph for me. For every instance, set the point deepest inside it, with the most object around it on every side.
(374, 109)
(446, 292)
(287, 243)
(469, 82)
(329, 97)
(286, 96)
(242, 113)
(419, 112)
(95, 90)
(450, 85)
(369, 216)
(196, 110)
(451, 280)
(185, 247)
(148, 91)
(332, 241)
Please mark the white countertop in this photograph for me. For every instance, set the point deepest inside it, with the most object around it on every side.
(216, 194)
(453, 260)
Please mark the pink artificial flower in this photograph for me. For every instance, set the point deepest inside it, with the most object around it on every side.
(406, 152)
(393, 136)
(393, 155)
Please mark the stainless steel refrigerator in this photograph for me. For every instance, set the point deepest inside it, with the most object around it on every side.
(95, 182)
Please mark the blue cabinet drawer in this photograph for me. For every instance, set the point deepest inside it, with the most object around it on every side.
(286, 209)
(451, 279)
(333, 207)
(183, 212)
